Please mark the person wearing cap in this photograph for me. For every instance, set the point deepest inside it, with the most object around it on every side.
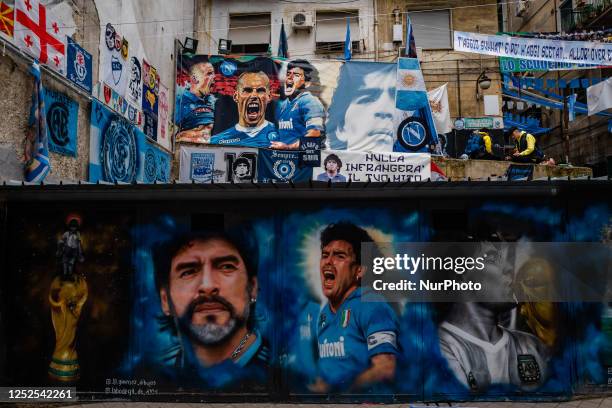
(197, 105)
(526, 148)
(480, 146)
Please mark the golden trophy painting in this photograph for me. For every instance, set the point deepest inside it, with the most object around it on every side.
(67, 295)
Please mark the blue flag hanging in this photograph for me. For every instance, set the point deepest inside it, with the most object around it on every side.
(283, 47)
(36, 153)
(62, 114)
(417, 129)
(410, 44)
(347, 40)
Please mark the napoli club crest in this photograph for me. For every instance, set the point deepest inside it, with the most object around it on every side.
(228, 68)
(118, 153)
(412, 133)
(284, 169)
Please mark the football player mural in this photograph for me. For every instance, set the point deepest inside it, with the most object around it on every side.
(211, 302)
(248, 101)
(347, 105)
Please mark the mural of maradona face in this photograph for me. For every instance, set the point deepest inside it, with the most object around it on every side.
(369, 118)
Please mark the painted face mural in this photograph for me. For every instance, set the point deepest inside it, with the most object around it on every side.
(295, 81)
(202, 79)
(204, 297)
(252, 97)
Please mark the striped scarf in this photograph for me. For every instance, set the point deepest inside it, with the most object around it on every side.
(36, 153)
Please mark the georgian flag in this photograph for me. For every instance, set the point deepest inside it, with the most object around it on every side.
(39, 33)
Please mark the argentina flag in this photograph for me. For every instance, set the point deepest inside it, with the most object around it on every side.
(410, 93)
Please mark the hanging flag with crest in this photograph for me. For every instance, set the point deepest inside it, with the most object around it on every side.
(40, 34)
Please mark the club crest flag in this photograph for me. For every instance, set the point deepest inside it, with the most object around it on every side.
(39, 33)
(411, 93)
(79, 66)
(7, 18)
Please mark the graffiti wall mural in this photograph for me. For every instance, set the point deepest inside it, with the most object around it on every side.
(348, 105)
(120, 152)
(205, 298)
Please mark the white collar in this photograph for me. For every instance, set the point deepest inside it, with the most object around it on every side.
(252, 131)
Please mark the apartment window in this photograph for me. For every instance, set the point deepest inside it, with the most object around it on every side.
(330, 33)
(432, 29)
(250, 33)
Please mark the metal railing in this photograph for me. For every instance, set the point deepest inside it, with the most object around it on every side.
(589, 10)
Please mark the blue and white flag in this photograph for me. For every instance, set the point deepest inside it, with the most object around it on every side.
(347, 40)
(37, 163)
(411, 93)
(410, 44)
(79, 65)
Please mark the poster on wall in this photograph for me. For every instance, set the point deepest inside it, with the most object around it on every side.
(133, 92)
(39, 33)
(62, 120)
(281, 166)
(163, 131)
(150, 125)
(150, 88)
(344, 166)
(155, 163)
(119, 152)
(114, 59)
(252, 101)
(218, 165)
(79, 66)
(120, 105)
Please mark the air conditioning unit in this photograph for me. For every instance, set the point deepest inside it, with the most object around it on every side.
(521, 8)
(302, 20)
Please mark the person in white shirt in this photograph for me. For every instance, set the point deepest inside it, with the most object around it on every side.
(480, 350)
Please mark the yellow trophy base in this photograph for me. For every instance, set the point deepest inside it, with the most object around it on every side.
(67, 297)
(64, 370)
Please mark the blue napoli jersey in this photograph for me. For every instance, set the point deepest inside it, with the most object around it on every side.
(260, 136)
(349, 338)
(295, 117)
(195, 111)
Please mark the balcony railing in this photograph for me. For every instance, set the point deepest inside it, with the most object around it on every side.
(587, 12)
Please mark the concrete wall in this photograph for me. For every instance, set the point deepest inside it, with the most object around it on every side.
(81, 18)
(459, 70)
(213, 22)
(483, 169)
(150, 26)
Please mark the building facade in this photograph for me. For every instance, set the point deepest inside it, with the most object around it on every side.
(586, 139)
(314, 30)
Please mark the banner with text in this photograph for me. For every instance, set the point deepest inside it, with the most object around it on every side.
(575, 52)
(343, 166)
